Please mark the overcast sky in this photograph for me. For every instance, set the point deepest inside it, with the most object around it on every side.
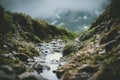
(49, 8)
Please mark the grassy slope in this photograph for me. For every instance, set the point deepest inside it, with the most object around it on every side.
(15, 28)
(106, 32)
(19, 34)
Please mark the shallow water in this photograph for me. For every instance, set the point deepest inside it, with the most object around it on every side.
(50, 58)
(52, 61)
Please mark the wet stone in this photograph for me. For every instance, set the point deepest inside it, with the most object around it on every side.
(49, 59)
(38, 68)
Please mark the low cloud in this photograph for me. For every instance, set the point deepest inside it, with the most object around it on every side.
(49, 8)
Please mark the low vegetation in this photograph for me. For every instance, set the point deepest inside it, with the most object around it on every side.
(19, 36)
(99, 57)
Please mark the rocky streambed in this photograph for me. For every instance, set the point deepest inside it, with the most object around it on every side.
(50, 59)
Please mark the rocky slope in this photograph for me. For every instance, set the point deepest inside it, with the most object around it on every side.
(97, 53)
(19, 38)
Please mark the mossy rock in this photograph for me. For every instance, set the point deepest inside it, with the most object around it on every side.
(19, 69)
(110, 71)
(89, 69)
(68, 49)
(111, 35)
(7, 61)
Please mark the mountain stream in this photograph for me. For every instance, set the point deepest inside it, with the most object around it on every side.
(49, 60)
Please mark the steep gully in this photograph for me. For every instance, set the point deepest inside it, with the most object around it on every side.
(51, 57)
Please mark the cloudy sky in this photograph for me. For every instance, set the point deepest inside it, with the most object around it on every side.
(49, 8)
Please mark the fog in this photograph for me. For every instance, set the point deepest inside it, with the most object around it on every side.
(49, 8)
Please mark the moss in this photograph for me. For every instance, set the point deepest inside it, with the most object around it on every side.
(67, 34)
(109, 71)
(111, 35)
(29, 51)
(18, 69)
(3, 51)
(7, 61)
(89, 69)
(87, 34)
(68, 49)
(96, 59)
(24, 47)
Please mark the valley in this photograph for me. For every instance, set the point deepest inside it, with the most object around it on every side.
(32, 49)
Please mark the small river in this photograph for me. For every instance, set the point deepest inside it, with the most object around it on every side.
(49, 60)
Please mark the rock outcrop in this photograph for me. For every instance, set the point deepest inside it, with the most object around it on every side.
(99, 57)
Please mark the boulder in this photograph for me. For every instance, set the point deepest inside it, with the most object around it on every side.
(22, 57)
(4, 76)
(59, 73)
(27, 76)
(6, 69)
(38, 67)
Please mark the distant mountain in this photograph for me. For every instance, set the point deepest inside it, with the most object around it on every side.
(76, 21)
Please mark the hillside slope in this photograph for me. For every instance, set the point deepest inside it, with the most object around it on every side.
(98, 56)
(20, 36)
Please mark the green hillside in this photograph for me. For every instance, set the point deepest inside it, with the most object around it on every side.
(19, 37)
(98, 56)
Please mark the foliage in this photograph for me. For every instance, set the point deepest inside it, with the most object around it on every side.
(68, 49)
(25, 48)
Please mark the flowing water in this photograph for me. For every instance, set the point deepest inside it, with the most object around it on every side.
(50, 59)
